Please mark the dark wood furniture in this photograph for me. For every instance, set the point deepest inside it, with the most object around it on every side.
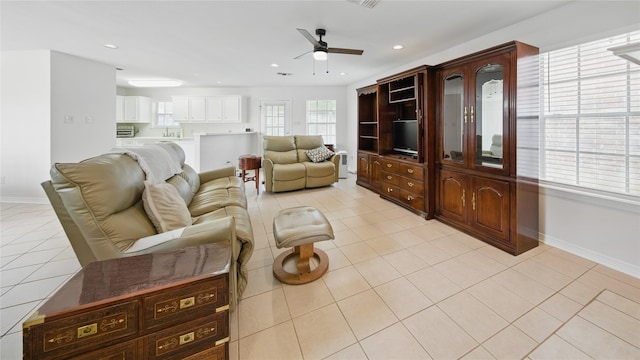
(402, 175)
(157, 306)
(488, 145)
(251, 162)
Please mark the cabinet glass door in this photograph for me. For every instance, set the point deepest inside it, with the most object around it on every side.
(488, 115)
(452, 118)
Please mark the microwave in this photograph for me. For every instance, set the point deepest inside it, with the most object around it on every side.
(125, 131)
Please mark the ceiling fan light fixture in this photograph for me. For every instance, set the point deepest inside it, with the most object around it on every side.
(320, 54)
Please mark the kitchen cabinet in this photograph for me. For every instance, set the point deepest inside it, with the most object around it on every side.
(133, 109)
(224, 109)
(487, 141)
(209, 109)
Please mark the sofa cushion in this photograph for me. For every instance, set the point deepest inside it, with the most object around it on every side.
(319, 154)
(165, 207)
(191, 176)
(182, 186)
(282, 157)
(325, 168)
(212, 200)
(280, 149)
(285, 172)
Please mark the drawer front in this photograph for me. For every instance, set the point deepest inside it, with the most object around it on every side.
(412, 171)
(412, 200)
(87, 330)
(220, 352)
(124, 351)
(183, 304)
(390, 191)
(389, 165)
(412, 185)
(190, 338)
(390, 178)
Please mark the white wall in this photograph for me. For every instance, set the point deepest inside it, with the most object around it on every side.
(25, 127)
(39, 89)
(603, 230)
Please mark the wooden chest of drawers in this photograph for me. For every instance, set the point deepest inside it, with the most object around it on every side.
(403, 182)
(156, 306)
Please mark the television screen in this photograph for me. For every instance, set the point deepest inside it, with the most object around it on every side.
(405, 136)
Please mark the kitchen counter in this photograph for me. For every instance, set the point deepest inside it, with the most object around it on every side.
(216, 150)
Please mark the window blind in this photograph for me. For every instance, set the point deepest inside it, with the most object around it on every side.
(590, 127)
(321, 119)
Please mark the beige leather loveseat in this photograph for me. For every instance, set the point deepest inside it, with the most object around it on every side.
(298, 162)
(108, 210)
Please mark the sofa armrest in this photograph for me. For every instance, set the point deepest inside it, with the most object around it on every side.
(217, 174)
(267, 167)
(223, 229)
(335, 159)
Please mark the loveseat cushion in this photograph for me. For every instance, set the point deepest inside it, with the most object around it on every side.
(307, 142)
(286, 172)
(321, 169)
(280, 149)
(165, 207)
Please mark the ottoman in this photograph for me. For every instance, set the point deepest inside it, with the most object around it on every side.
(299, 228)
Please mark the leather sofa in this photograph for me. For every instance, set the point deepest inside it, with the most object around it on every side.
(287, 166)
(102, 205)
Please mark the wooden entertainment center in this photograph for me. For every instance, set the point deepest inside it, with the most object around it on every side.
(474, 161)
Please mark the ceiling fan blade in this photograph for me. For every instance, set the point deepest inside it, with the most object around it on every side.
(345, 51)
(301, 55)
(309, 37)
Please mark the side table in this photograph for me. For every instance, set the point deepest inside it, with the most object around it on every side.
(251, 162)
(157, 306)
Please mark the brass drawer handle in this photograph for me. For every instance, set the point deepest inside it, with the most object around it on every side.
(463, 200)
(87, 330)
(410, 171)
(409, 197)
(473, 201)
(389, 165)
(187, 302)
(389, 190)
(410, 184)
(187, 338)
(389, 177)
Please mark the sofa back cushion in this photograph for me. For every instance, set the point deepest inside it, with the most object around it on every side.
(193, 179)
(280, 149)
(103, 196)
(307, 142)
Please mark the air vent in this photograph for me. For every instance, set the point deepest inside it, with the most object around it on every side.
(366, 3)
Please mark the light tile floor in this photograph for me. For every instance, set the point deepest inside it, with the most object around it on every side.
(397, 287)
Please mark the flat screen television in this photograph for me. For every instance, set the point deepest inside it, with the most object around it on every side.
(405, 137)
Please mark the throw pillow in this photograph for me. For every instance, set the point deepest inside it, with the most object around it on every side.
(319, 154)
(165, 207)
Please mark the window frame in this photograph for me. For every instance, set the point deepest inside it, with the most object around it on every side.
(329, 113)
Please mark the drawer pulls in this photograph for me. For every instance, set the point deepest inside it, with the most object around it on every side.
(410, 171)
(473, 201)
(409, 198)
(389, 177)
(410, 184)
(187, 338)
(389, 190)
(187, 302)
(389, 165)
(87, 330)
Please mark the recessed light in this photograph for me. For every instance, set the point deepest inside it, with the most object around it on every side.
(274, 65)
(155, 83)
(398, 47)
(111, 46)
(343, 73)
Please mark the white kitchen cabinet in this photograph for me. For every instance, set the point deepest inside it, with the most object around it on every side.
(224, 109)
(197, 108)
(180, 108)
(133, 109)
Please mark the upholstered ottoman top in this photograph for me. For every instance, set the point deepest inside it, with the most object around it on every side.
(300, 225)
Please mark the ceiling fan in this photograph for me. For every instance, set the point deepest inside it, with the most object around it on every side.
(321, 49)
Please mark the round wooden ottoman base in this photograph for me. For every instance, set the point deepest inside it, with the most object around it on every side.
(305, 274)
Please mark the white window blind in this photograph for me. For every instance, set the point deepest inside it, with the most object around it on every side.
(591, 117)
(321, 119)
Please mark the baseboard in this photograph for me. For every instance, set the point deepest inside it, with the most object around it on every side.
(627, 268)
(24, 200)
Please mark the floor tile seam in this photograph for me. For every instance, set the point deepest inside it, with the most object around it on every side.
(605, 330)
(23, 318)
(568, 275)
(19, 244)
(616, 309)
(598, 266)
(31, 273)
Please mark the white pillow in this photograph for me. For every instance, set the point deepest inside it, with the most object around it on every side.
(165, 207)
(319, 154)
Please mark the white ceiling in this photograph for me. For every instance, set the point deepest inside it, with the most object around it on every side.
(233, 43)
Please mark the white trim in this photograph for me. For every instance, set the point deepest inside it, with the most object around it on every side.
(627, 268)
(592, 197)
(24, 200)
